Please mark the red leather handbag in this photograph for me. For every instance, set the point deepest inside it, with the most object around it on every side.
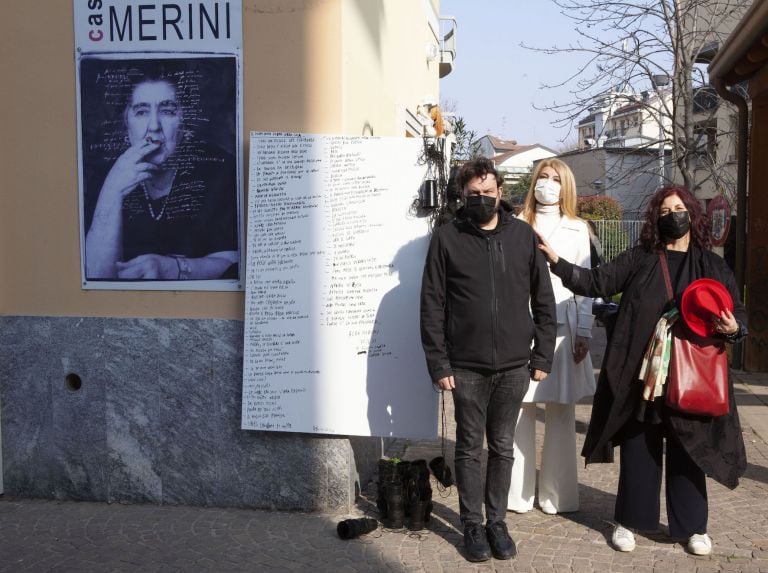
(698, 374)
(698, 369)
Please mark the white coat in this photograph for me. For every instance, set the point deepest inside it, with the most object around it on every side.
(568, 382)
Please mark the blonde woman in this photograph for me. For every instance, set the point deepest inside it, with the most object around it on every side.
(550, 208)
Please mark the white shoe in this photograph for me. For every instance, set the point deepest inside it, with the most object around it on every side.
(623, 539)
(700, 544)
(548, 508)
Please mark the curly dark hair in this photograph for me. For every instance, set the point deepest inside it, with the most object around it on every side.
(700, 226)
(480, 167)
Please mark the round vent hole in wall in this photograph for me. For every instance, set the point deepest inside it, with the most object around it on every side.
(73, 381)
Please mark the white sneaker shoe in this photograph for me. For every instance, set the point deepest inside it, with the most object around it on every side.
(700, 544)
(623, 539)
(547, 508)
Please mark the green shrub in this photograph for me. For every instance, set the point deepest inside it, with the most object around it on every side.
(612, 237)
(596, 208)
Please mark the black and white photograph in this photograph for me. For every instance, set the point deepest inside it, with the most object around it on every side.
(159, 175)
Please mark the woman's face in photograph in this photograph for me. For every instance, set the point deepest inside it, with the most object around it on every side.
(154, 116)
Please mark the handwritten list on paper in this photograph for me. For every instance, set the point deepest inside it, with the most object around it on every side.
(335, 255)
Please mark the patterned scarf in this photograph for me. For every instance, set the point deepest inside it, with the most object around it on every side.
(653, 372)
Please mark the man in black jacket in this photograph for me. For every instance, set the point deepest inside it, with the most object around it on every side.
(482, 272)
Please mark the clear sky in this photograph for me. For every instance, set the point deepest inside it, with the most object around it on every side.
(495, 82)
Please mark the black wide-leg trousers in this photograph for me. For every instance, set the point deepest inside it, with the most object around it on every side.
(638, 498)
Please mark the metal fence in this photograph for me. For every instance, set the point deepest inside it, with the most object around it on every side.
(617, 236)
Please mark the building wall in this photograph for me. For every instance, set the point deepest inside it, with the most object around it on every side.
(642, 122)
(587, 167)
(631, 179)
(586, 131)
(521, 164)
(626, 176)
(161, 372)
(717, 173)
(485, 147)
(526, 158)
(156, 419)
(294, 88)
(756, 291)
(382, 44)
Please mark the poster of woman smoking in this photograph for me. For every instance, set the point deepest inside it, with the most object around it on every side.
(160, 174)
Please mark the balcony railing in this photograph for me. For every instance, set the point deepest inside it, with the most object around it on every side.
(447, 44)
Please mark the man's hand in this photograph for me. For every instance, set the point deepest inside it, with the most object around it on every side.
(446, 383)
(580, 348)
(538, 375)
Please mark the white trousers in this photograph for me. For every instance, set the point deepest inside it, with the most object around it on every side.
(558, 479)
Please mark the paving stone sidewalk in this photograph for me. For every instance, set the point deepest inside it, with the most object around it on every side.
(37, 535)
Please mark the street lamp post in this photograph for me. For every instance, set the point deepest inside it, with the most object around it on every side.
(659, 81)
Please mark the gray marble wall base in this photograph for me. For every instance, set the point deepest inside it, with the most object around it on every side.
(156, 419)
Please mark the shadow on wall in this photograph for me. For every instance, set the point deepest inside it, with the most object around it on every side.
(400, 404)
(372, 16)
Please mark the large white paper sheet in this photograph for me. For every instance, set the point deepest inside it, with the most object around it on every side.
(335, 257)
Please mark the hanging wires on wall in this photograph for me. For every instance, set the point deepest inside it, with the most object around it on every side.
(434, 201)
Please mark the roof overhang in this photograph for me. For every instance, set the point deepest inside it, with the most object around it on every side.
(746, 49)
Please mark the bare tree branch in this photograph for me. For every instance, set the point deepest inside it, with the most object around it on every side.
(622, 45)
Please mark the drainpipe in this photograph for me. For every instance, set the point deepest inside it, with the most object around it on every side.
(742, 142)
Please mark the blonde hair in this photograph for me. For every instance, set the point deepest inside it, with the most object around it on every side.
(567, 190)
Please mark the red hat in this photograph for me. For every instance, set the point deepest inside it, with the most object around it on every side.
(702, 300)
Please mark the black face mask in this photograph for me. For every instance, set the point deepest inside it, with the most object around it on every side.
(674, 225)
(480, 208)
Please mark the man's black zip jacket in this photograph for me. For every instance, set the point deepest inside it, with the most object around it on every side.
(475, 296)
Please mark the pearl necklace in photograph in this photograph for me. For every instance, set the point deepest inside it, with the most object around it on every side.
(149, 202)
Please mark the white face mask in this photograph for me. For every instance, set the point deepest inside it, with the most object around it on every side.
(547, 191)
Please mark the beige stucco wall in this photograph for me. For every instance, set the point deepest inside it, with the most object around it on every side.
(384, 65)
(296, 78)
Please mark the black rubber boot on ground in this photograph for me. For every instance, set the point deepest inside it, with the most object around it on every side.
(417, 511)
(395, 506)
(351, 528)
(388, 473)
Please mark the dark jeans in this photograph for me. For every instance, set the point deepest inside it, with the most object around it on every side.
(486, 404)
(637, 500)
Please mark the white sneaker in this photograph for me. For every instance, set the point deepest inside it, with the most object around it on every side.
(548, 508)
(623, 539)
(700, 544)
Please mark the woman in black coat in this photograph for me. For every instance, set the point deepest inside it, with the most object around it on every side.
(676, 228)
